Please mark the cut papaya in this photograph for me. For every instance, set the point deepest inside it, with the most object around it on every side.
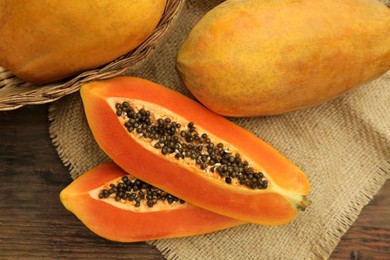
(176, 144)
(102, 200)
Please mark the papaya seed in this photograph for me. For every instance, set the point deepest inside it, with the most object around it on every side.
(188, 143)
(136, 191)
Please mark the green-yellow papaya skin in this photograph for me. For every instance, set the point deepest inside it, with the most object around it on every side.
(255, 58)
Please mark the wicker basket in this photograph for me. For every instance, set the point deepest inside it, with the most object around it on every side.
(15, 93)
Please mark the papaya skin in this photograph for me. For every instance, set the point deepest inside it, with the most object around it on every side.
(279, 204)
(45, 41)
(259, 58)
(122, 225)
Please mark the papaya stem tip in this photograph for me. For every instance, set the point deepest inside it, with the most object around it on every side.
(304, 203)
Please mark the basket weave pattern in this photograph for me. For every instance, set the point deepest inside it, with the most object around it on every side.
(15, 93)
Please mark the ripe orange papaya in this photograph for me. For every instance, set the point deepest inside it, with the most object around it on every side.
(49, 40)
(252, 58)
(176, 144)
(117, 216)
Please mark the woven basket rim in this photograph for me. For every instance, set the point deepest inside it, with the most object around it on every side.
(16, 93)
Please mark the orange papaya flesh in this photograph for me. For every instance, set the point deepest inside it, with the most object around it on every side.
(120, 220)
(275, 203)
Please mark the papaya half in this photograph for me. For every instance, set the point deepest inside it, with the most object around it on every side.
(172, 142)
(115, 205)
(44, 41)
(259, 58)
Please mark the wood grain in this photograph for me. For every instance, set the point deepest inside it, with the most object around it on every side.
(35, 225)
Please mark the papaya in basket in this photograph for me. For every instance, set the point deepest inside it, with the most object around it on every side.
(44, 41)
(119, 207)
(174, 143)
(256, 58)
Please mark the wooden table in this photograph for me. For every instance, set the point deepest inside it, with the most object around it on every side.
(35, 225)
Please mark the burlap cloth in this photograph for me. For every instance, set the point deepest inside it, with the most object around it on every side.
(343, 147)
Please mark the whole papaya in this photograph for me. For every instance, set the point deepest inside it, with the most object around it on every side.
(251, 58)
(44, 41)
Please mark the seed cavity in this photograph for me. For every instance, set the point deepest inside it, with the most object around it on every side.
(185, 142)
(137, 191)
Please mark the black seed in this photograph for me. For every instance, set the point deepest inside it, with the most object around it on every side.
(142, 112)
(118, 112)
(228, 180)
(260, 174)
